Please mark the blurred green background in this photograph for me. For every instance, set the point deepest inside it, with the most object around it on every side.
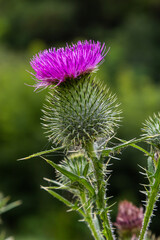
(131, 70)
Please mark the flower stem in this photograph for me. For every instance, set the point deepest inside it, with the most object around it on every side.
(101, 202)
(153, 196)
(89, 219)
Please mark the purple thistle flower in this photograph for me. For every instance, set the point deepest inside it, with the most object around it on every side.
(129, 219)
(54, 66)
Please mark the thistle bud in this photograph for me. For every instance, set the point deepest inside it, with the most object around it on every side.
(78, 165)
(79, 111)
(129, 220)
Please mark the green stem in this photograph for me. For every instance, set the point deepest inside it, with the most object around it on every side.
(89, 219)
(101, 203)
(153, 196)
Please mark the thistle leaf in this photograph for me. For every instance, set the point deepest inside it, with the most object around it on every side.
(42, 153)
(64, 200)
(125, 144)
(73, 177)
(79, 111)
(86, 170)
(58, 196)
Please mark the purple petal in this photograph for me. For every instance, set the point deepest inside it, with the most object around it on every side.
(54, 66)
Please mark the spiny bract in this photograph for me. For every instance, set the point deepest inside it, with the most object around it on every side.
(79, 111)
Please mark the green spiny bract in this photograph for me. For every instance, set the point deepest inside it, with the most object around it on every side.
(80, 110)
(151, 128)
(77, 164)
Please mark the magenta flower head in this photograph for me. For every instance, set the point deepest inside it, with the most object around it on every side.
(55, 66)
(129, 219)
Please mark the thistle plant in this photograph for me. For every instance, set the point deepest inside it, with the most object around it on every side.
(80, 117)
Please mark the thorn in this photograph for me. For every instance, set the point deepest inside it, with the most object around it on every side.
(42, 187)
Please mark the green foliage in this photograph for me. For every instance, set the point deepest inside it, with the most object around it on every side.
(19, 108)
(36, 19)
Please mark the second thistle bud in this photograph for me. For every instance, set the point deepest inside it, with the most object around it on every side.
(76, 164)
(129, 220)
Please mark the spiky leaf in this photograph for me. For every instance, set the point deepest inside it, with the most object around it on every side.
(73, 177)
(42, 153)
(62, 199)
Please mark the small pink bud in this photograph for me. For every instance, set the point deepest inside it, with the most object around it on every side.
(129, 219)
